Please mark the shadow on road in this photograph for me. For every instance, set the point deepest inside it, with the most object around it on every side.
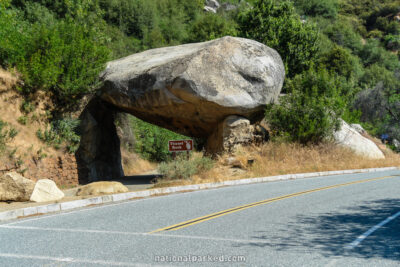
(329, 233)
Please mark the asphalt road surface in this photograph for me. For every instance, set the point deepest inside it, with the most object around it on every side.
(346, 220)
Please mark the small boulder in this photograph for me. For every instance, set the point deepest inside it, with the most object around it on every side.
(213, 3)
(98, 188)
(14, 187)
(228, 7)
(210, 9)
(46, 190)
(349, 137)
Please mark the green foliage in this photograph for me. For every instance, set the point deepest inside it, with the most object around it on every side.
(342, 33)
(23, 120)
(325, 8)
(64, 59)
(7, 133)
(12, 35)
(310, 112)
(340, 61)
(277, 25)
(184, 169)
(392, 42)
(152, 141)
(211, 26)
(61, 132)
(374, 53)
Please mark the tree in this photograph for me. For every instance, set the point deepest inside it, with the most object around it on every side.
(277, 25)
(310, 112)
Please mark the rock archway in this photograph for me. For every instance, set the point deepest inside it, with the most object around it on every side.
(198, 90)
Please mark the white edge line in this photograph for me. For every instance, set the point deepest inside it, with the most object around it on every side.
(33, 228)
(71, 260)
(15, 214)
(361, 238)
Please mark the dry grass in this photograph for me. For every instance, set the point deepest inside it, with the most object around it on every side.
(133, 164)
(286, 158)
(275, 159)
(7, 80)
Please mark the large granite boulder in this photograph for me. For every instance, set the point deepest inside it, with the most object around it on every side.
(349, 137)
(191, 88)
(15, 187)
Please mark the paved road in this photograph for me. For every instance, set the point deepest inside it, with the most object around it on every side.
(306, 222)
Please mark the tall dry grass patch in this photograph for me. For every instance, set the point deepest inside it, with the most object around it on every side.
(285, 158)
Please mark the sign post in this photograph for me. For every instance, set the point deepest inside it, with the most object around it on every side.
(180, 146)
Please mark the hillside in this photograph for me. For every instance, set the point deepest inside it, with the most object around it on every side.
(341, 60)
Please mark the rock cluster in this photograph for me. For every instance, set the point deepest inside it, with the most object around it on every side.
(15, 187)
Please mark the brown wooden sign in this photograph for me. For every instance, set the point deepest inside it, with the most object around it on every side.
(180, 145)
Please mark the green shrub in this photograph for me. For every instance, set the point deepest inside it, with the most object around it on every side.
(65, 59)
(185, 169)
(342, 33)
(211, 26)
(325, 8)
(310, 112)
(14, 35)
(277, 25)
(152, 141)
(23, 120)
(59, 132)
(342, 62)
(7, 133)
(374, 53)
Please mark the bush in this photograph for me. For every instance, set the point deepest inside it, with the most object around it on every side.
(277, 25)
(7, 133)
(59, 132)
(211, 26)
(62, 56)
(13, 35)
(325, 8)
(374, 53)
(152, 141)
(185, 169)
(310, 112)
(342, 62)
(64, 59)
(343, 34)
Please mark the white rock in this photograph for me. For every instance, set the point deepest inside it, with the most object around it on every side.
(210, 9)
(46, 190)
(213, 3)
(349, 137)
(396, 143)
(358, 128)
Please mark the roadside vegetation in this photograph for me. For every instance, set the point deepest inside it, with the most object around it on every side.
(341, 59)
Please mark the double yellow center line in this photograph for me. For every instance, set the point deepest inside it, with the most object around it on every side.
(251, 205)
